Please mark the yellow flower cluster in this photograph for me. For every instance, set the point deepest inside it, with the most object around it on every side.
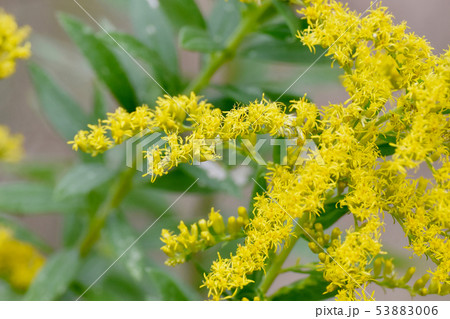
(293, 194)
(383, 65)
(11, 44)
(176, 115)
(19, 261)
(10, 145)
(201, 235)
(347, 262)
(422, 207)
(380, 58)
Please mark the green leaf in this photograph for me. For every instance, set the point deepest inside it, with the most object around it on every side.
(386, 149)
(136, 48)
(30, 198)
(36, 171)
(105, 64)
(148, 200)
(213, 176)
(311, 288)
(74, 227)
(23, 233)
(121, 235)
(183, 13)
(241, 94)
(266, 48)
(63, 113)
(169, 288)
(285, 98)
(332, 213)
(250, 93)
(224, 19)
(153, 29)
(385, 146)
(54, 278)
(99, 108)
(115, 285)
(177, 181)
(82, 179)
(292, 21)
(195, 39)
(163, 75)
(279, 31)
(8, 294)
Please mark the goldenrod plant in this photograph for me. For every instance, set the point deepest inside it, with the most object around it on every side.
(360, 163)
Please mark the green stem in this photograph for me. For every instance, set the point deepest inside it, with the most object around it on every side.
(116, 194)
(387, 115)
(275, 268)
(302, 269)
(217, 59)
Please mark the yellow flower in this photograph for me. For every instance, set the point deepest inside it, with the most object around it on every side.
(10, 145)
(19, 261)
(202, 235)
(11, 44)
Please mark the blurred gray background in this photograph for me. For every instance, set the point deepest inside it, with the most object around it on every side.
(53, 50)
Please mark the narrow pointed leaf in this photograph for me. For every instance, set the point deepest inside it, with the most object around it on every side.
(103, 61)
(62, 112)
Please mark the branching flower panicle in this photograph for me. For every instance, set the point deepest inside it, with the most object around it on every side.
(202, 235)
(369, 153)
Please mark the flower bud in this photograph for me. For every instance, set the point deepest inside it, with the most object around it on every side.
(194, 231)
(332, 287)
(314, 248)
(434, 287)
(422, 185)
(388, 267)
(377, 264)
(240, 222)
(233, 227)
(408, 275)
(423, 291)
(183, 229)
(335, 233)
(318, 227)
(420, 283)
(326, 239)
(322, 257)
(320, 241)
(216, 221)
(208, 238)
(203, 225)
(242, 212)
